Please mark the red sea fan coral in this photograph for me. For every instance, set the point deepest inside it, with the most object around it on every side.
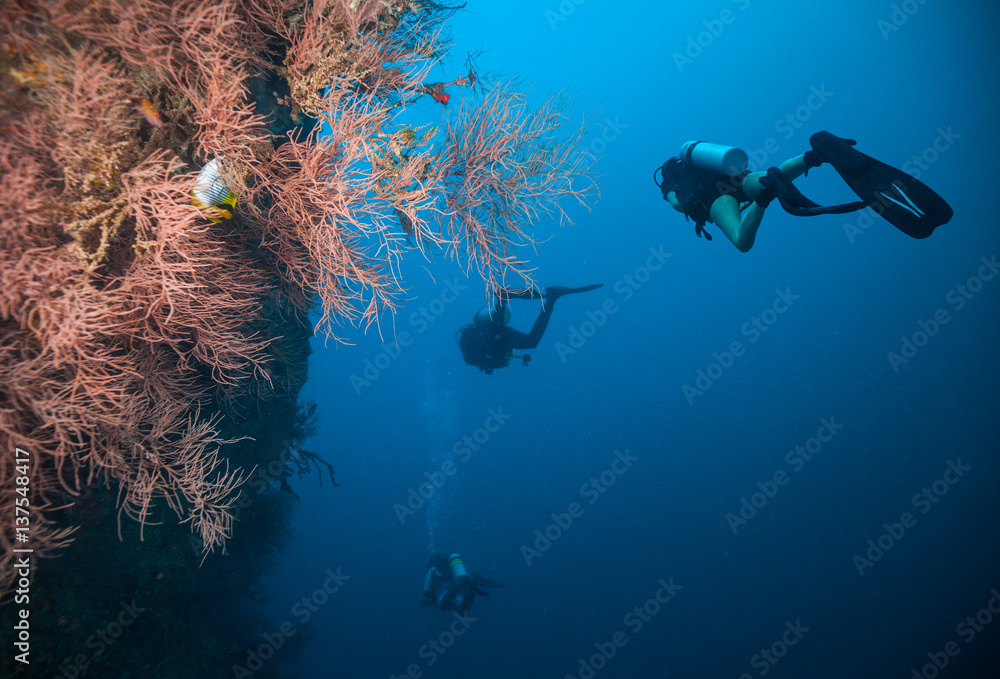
(129, 321)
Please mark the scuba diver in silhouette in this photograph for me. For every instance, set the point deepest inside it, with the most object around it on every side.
(450, 587)
(710, 183)
(489, 343)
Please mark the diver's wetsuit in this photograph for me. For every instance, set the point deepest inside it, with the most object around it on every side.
(491, 345)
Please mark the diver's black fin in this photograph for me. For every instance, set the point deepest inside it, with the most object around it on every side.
(424, 603)
(557, 291)
(903, 201)
(485, 582)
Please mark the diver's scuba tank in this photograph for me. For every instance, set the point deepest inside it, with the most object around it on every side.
(484, 316)
(728, 160)
(458, 571)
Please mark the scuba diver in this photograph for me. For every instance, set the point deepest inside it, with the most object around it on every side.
(489, 343)
(450, 587)
(709, 182)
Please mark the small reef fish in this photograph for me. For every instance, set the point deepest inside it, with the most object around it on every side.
(211, 194)
(153, 117)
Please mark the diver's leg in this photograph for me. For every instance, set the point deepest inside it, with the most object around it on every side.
(793, 168)
(521, 341)
(725, 212)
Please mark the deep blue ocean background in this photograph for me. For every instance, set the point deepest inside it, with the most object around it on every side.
(898, 89)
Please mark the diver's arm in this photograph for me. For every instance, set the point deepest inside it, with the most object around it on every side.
(740, 230)
(672, 199)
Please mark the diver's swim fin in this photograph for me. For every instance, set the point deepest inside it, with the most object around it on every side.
(484, 582)
(905, 202)
(557, 291)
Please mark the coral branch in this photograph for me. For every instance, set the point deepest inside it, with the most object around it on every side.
(504, 168)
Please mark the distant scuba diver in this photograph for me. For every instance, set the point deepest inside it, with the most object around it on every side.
(708, 183)
(449, 586)
(489, 343)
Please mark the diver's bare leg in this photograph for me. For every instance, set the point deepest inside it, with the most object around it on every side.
(725, 212)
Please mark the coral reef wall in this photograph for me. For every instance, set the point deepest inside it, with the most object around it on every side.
(182, 184)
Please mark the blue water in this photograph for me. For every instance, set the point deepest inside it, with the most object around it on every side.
(792, 588)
